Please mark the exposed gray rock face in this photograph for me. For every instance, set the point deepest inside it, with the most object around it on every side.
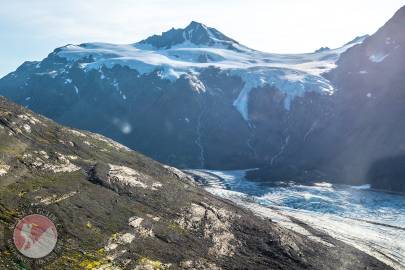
(190, 97)
(193, 105)
(122, 210)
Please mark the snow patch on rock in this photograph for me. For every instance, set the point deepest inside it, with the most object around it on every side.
(378, 57)
(293, 74)
(291, 83)
(195, 83)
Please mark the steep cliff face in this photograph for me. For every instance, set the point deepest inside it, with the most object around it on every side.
(195, 98)
(190, 97)
(364, 120)
(121, 210)
(370, 103)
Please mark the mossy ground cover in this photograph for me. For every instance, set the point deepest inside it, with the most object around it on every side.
(55, 168)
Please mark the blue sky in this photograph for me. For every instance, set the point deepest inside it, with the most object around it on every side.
(32, 29)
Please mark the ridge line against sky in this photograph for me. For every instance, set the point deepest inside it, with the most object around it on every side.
(32, 29)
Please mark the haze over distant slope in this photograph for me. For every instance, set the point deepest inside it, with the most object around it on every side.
(194, 97)
(364, 139)
(121, 210)
(173, 96)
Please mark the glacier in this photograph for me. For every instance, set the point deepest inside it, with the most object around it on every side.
(292, 74)
(371, 221)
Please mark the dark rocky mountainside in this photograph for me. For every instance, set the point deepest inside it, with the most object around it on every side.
(122, 210)
(190, 97)
(194, 98)
(365, 126)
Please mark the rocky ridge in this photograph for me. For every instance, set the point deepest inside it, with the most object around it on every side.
(122, 210)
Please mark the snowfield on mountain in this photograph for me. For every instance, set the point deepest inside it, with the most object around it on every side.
(195, 98)
(293, 74)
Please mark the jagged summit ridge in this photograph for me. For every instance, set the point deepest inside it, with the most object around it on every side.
(182, 90)
(195, 33)
(180, 52)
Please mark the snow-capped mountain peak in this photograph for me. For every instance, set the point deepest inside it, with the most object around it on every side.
(195, 34)
(191, 101)
(197, 48)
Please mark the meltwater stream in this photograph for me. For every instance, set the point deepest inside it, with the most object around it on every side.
(371, 221)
